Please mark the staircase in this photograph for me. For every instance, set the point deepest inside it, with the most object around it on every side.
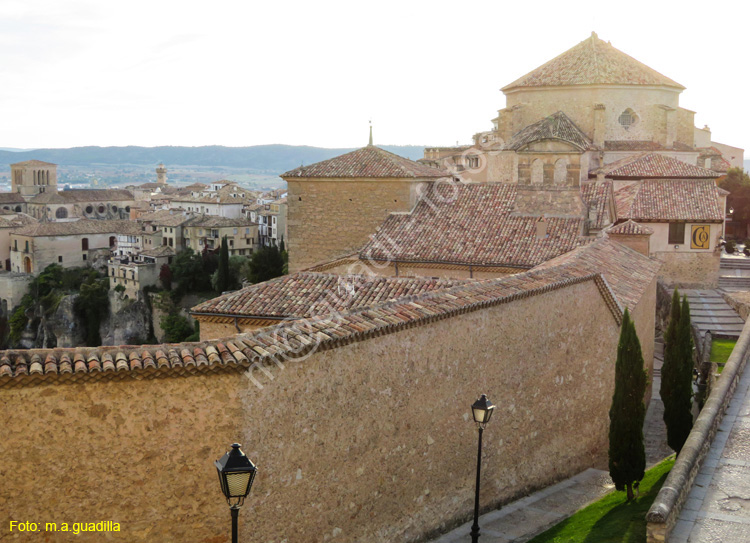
(734, 273)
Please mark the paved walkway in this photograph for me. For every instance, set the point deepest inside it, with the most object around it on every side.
(521, 520)
(709, 311)
(718, 507)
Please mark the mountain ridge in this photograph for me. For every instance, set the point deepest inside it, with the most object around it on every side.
(272, 158)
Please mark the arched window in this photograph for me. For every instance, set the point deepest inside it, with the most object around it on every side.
(18, 209)
(85, 244)
(101, 208)
(628, 118)
(537, 172)
(561, 171)
(61, 213)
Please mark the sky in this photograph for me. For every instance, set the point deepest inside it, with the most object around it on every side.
(237, 73)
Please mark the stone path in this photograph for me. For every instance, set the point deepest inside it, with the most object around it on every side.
(718, 507)
(709, 311)
(521, 520)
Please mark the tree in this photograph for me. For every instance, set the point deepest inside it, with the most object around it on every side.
(188, 270)
(176, 328)
(165, 276)
(92, 305)
(627, 453)
(737, 182)
(222, 278)
(676, 389)
(266, 263)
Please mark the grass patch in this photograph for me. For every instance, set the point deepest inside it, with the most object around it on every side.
(612, 518)
(720, 351)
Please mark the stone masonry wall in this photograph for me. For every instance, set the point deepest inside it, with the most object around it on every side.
(370, 442)
(689, 270)
(327, 218)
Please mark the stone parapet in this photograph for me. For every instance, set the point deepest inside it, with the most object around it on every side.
(662, 516)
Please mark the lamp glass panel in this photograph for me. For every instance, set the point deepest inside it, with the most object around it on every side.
(237, 483)
(479, 415)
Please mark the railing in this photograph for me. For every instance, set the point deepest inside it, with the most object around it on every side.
(662, 516)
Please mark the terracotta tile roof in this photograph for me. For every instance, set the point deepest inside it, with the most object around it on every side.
(212, 221)
(640, 145)
(624, 197)
(289, 340)
(82, 226)
(557, 126)
(33, 163)
(21, 219)
(164, 217)
(653, 165)
(221, 200)
(471, 224)
(662, 200)
(83, 195)
(628, 272)
(597, 196)
(630, 228)
(161, 250)
(11, 198)
(592, 62)
(305, 294)
(370, 161)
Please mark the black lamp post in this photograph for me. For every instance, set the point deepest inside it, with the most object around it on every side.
(482, 411)
(236, 475)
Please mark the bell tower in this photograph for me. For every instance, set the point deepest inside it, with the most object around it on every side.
(161, 174)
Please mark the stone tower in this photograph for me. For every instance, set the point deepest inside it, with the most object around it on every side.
(161, 174)
(33, 177)
(335, 205)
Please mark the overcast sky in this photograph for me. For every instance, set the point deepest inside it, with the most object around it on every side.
(314, 73)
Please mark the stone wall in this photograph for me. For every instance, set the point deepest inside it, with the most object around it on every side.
(689, 270)
(531, 104)
(328, 218)
(369, 442)
(644, 317)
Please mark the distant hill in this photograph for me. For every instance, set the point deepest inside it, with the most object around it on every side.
(273, 159)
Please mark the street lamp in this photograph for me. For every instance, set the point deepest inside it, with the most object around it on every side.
(236, 475)
(482, 412)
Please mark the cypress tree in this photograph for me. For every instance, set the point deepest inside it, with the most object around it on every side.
(222, 281)
(627, 452)
(676, 389)
(683, 416)
(670, 365)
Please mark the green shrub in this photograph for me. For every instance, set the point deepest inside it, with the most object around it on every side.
(730, 247)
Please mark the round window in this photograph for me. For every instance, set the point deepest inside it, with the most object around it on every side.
(628, 118)
(89, 209)
(101, 209)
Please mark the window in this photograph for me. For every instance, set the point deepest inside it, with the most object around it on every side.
(85, 244)
(235, 232)
(84, 257)
(61, 213)
(27, 246)
(59, 259)
(628, 118)
(247, 231)
(676, 233)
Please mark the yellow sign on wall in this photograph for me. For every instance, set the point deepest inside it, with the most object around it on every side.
(699, 236)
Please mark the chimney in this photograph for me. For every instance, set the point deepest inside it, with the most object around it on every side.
(541, 228)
